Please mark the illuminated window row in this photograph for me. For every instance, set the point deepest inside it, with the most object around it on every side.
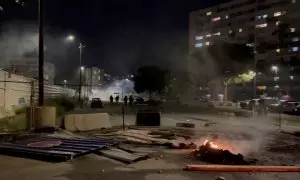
(293, 49)
(216, 34)
(198, 45)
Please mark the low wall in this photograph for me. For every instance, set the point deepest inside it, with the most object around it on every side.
(86, 122)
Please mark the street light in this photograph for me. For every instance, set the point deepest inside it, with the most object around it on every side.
(65, 83)
(274, 69)
(71, 38)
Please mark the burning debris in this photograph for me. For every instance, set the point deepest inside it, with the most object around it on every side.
(183, 146)
(212, 153)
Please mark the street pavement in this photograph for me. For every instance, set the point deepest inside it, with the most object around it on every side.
(248, 136)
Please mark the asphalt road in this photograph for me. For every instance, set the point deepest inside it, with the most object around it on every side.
(255, 138)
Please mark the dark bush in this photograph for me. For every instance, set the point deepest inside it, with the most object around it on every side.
(63, 104)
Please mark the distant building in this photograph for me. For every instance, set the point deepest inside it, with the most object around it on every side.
(28, 67)
(94, 76)
(252, 22)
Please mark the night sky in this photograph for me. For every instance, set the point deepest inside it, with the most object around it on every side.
(120, 35)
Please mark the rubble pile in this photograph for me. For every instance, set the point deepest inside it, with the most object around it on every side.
(211, 153)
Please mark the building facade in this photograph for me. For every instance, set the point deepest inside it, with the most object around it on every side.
(256, 23)
(28, 67)
(93, 76)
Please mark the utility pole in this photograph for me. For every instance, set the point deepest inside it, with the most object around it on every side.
(41, 54)
(255, 62)
(80, 73)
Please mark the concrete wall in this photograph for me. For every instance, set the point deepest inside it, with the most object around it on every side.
(17, 90)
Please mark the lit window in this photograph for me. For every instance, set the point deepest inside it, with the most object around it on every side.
(199, 37)
(208, 35)
(226, 17)
(216, 19)
(258, 17)
(277, 14)
(217, 34)
(277, 23)
(208, 13)
(261, 25)
(294, 49)
(230, 31)
(265, 16)
(240, 30)
(197, 45)
(278, 50)
(295, 39)
(293, 29)
(207, 43)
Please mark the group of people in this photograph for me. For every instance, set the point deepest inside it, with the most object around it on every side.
(126, 99)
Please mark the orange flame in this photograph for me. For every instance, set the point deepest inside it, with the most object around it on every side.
(211, 144)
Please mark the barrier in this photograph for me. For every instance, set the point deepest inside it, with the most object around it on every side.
(86, 122)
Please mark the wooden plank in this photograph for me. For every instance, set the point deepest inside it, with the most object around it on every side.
(121, 155)
(186, 125)
(142, 150)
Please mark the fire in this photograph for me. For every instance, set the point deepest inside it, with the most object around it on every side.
(211, 144)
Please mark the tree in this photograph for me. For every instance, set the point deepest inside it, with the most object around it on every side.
(178, 82)
(150, 79)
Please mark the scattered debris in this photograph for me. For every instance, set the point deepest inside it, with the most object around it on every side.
(210, 152)
(220, 178)
(136, 149)
(186, 125)
(52, 149)
(183, 146)
(209, 124)
(45, 144)
(122, 156)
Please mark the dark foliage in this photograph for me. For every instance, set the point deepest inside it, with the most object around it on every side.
(150, 79)
(229, 59)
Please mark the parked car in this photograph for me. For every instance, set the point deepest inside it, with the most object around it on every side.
(244, 104)
(297, 110)
(267, 101)
(289, 106)
(96, 103)
(252, 103)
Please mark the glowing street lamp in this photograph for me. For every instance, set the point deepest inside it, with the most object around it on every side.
(82, 68)
(71, 38)
(274, 69)
(65, 83)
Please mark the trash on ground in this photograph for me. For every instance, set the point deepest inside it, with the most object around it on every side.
(52, 149)
(212, 153)
(183, 146)
(121, 155)
(186, 125)
(136, 149)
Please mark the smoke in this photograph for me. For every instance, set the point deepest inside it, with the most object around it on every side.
(114, 88)
(17, 40)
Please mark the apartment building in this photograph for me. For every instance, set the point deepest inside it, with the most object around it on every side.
(253, 22)
(93, 76)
